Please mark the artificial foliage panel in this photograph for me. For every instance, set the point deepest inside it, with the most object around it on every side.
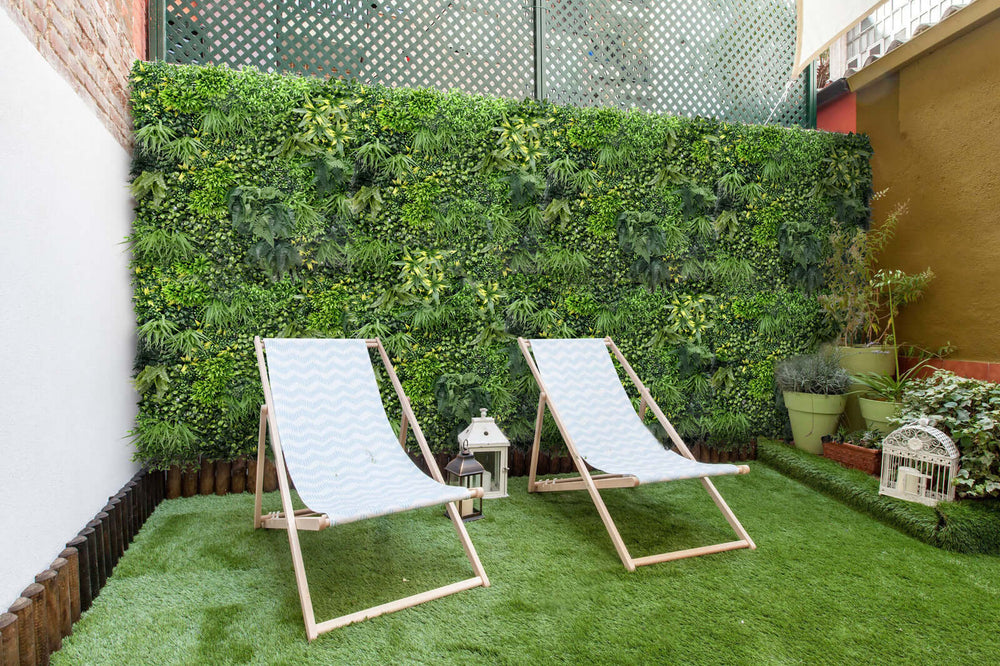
(727, 59)
(448, 224)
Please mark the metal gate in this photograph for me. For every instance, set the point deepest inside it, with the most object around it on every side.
(726, 59)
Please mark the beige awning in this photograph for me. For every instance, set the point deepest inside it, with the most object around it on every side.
(821, 22)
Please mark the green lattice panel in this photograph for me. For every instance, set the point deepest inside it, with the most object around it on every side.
(478, 46)
(721, 58)
(234, 33)
(716, 58)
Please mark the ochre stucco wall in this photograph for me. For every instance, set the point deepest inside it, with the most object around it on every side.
(935, 131)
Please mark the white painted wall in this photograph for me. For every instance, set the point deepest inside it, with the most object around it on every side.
(67, 332)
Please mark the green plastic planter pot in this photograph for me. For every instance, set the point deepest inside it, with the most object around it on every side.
(812, 417)
(859, 360)
(878, 412)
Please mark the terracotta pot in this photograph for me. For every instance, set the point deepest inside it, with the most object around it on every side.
(813, 416)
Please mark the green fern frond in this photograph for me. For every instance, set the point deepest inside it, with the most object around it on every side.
(751, 192)
(727, 223)
(157, 332)
(399, 342)
(186, 341)
(429, 317)
(563, 262)
(428, 141)
(609, 321)
(563, 170)
(372, 154)
(332, 253)
(184, 149)
(399, 166)
(374, 329)
(154, 137)
(730, 185)
(149, 183)
(610, 156)
(220, 314)
(521, 311)
(585, 180)
(215, 122)
(153, 378)
(162, 247)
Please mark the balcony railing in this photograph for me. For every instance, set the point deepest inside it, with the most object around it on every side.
(890, 25)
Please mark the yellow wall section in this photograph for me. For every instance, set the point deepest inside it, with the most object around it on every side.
(935, 130)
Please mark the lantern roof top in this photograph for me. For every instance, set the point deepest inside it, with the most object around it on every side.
(464, 464)
(482, 432)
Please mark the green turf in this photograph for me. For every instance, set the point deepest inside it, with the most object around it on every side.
(826, 585)
(970, 526)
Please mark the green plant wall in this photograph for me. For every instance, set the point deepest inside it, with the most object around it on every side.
(448, 224)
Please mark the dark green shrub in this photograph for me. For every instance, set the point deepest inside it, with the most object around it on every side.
(968, 410)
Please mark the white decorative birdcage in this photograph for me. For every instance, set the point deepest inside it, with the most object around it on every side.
(919, 464)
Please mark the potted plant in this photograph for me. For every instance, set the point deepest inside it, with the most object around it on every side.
(858, 450)
(815, 389)
(864, 302)
(881, 396)
(881, 399)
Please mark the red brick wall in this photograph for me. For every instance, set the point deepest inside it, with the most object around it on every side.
(92, 43)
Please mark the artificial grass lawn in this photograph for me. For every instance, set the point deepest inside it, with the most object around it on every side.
(826, 585)
(968, 526)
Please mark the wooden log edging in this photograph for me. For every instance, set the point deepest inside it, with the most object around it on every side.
(222, 477)
(36, 623)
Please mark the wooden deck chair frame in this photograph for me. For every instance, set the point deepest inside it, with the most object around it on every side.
(593, 483)
(312, 521)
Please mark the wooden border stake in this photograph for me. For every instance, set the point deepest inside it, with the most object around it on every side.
(36, 594)
(24, 610)
(9, 654)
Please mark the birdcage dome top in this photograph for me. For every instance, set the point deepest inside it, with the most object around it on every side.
(921, 439)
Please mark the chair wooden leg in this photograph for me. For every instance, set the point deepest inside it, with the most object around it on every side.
(728, 513)
(602, 511)
(259, 486)
(470, 550)
(536, 444)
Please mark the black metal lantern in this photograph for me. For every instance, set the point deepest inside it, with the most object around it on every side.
(465, 471)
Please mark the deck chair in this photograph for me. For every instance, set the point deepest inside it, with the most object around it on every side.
(580, 386)
(330, 432)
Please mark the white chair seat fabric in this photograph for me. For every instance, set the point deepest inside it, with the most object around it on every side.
(584, 388)
(339, 446)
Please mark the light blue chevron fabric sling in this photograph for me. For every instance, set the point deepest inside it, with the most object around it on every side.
(585, 389)
(340, 449)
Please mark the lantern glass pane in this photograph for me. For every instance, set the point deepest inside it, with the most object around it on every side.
(490, 460)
